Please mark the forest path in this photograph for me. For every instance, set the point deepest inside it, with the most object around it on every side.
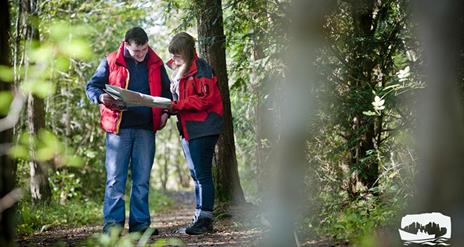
(228, 232)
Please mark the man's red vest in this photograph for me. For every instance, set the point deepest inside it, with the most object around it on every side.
(119, 76)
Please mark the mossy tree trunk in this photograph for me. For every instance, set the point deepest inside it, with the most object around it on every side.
(40, 188)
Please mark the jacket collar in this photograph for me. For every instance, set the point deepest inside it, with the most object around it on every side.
(153, 58)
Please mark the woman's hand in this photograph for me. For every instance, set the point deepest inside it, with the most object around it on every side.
(170, 110)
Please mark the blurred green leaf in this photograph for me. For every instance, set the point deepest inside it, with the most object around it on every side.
(59, 31)
(38, 87)
(168, 242)
(25, 138)
(62, 63)
(45, 153)
(19, 152)
(49, 139)
(6, 73)
(40, 54)
(49, 145)
(76, 48)
(73, 161)
(5, 102)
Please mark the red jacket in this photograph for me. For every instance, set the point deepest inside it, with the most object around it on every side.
(200, 103)
(119, 76)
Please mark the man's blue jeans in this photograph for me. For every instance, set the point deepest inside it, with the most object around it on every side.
(136, 146)
(199, 155)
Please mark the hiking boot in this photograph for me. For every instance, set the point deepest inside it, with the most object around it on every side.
(201, 226)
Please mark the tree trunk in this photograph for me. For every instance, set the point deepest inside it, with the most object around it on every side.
(262, 148)
(167, 158)
(7, 165)
(261, 137)
(40, 188)
(367, 170)
(183, 178)
(290, 121)
(440, 115)
(212, 47)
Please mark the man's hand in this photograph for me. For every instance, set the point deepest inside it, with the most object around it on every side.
(164, 120)
(110, 102)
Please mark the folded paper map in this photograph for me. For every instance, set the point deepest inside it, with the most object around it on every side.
(132, 98)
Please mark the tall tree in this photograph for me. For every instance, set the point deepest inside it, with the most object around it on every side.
(363, 127)
(296, 112)
(366, 52)
(441, 113)
(40, 188)
(7, 165)
(212, 46)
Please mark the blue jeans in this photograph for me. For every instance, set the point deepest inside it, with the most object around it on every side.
(199, 155)
(136, 146)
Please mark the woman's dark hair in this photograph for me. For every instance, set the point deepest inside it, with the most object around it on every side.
(136, 35)
(184, 45)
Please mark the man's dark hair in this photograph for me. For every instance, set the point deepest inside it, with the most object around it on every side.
(136, 35)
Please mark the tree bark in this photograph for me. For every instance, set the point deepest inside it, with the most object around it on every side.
(212, 46)
(40, 188)
(7, 165)
(367, 170)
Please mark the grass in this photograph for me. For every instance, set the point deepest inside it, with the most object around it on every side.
(34, 218)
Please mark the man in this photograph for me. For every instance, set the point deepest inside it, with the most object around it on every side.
(130, 133)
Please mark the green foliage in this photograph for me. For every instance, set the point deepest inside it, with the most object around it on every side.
(32, 218)
(62, 42)
(159, 202)
(47, 147)
(130, 240)
(5, 102)
(113, 239)
(74, 36)
(334, 213)
(355, 220)
(170, 165)
(65, 185)
(78, 210)
(367, 77)
(6, 74)
(242, 103)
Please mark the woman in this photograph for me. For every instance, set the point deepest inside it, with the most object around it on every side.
(198, 105)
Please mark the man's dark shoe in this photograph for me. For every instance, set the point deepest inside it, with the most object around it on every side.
(153, 231)
(201, 226)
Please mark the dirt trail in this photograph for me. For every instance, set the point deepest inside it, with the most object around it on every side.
(227, 232)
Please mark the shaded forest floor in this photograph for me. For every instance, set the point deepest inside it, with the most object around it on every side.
(245, 230)
(227, 232)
